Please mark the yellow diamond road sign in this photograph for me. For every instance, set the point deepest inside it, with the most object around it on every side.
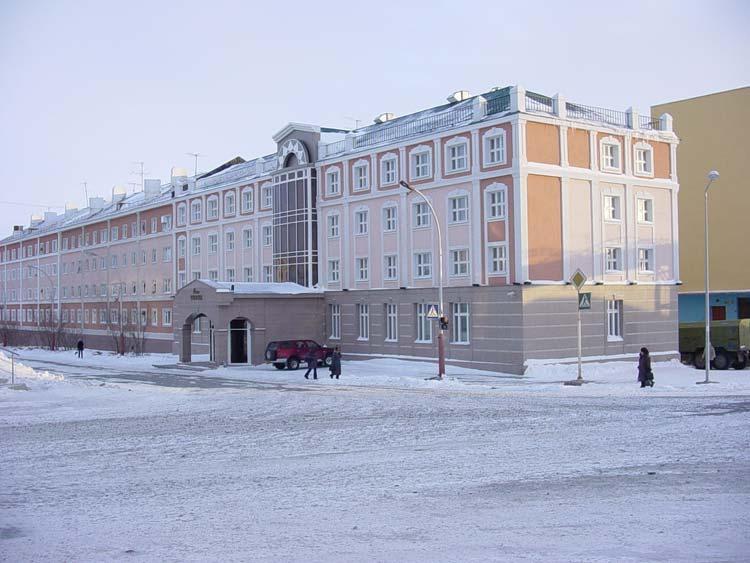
(578, 279)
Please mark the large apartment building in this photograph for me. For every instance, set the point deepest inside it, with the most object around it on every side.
(526, 189)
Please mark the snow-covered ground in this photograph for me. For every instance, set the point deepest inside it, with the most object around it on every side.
(108, 458)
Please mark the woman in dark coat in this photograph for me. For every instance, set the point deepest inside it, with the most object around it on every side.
(336, 363)
(645, 375)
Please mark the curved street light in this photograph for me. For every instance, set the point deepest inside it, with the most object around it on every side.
(707, 350)
(441, 331)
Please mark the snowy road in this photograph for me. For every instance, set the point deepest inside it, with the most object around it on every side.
(129, 471)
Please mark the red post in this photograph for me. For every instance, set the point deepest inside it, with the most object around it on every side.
(441, 353)
(122, 344)
(53, 341)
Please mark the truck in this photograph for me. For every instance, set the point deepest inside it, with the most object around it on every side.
(730, 340)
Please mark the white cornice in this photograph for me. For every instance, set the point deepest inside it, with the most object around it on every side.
(292, 126)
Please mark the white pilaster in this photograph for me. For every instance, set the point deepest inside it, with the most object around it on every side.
(476, 218)
(564, 147)
(565, 213)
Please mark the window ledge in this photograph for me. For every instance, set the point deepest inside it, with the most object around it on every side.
(361, 339)
(423, 342)
(614, 339)
(460, 343)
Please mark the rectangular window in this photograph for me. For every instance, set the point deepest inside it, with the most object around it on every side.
(195, 212)
(212, 208)
(335, 316)
(267, 235)
(333, 225)
(611, 156)
(166, 254)
(213, 275)
(420, 165)
(229, 204)
(388, 171)
(195, 246)
(247, 238)
(613, 256)
(390, 215)
(494, 149)
(643, 161)
(332, 182)
(424, 323)
(718, 313)
(459, 262)
(363, 272)
(181, 250)
(460, 323)
(196, 275)
(614, 320)
(422, 264)
(229, 275)
(267, 274)
(391, 322)
(645, 210)
(612, 208)
(360, 177)
(181, 216)
(497, 259)
(115, 232)
(459, 209)
(167, 285)
(166, 223)
(496, 207)
(154, 256)
(247, 273)
(333, 270)
(645, 259)
(166, 317)
(457, 157)
(267, 192)
(390, 268)
(421, 215)
(247, 200)
(361, 221)
(363, 324)
(229, 240)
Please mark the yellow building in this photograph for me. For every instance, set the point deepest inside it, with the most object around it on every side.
(713, 132)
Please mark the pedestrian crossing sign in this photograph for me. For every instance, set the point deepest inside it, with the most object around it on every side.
(432, 314)
(584, 300)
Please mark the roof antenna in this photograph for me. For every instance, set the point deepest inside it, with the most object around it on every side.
(85, 191)
(195, 155)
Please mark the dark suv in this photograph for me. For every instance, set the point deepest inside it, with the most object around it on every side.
(291, 353)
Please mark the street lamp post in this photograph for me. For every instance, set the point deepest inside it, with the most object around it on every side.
(56, 317)
(441, 331)
(713, 175)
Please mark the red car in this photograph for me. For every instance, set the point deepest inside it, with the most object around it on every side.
(291, 353)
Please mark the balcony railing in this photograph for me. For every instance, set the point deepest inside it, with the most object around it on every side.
(539, 102)
(332, 148)
(498, 103)
(600, 115)
(651, 123)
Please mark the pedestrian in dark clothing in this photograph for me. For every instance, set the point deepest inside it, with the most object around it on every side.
(80, 349)
(645, 375)
(312, 364)
(336, 363)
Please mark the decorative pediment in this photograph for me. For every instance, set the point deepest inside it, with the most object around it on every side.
(293, 146)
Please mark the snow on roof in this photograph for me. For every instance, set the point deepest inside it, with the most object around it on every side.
(249, 288)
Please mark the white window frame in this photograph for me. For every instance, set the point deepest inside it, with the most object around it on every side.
(424, 324)
(422, 264)
(422, 215)
(363, 321)
(390, 267)
(613, 259)
(460, 323)
(415, 165)
(212, 207)
(247, 273)
(501, 190)
(362, 221)
(391, 322)
(616, 165)
(494, 133)
(230, 204)
(333, 225)
(361, 176)
(247, 238)
(333, 181)
(266, 194)
(645, 166)
(228, 241)
(390, 217)
(454, 213)
(195, 245)
(452, 160)
(196, 211)
(362, 268)
(612, 207)
(267, 233)
(645, 210)
(454, 264)
(213, 243)
(501, 259)
(385, 173)
(247, 200)
(647, 260)
(334, 270)
(335, 316)
(614, 320)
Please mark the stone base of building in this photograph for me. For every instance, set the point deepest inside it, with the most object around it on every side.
(68, 340)
(509, 325)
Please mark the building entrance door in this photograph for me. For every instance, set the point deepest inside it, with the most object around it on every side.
(239, 341)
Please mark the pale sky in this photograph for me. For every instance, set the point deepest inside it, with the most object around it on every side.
(89, 88)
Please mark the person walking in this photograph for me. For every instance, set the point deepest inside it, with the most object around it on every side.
(645, 375)
(312, 364)
(79, 347)
(336, 362)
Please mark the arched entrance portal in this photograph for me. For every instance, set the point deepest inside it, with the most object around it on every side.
(239, 341)
(197, 339)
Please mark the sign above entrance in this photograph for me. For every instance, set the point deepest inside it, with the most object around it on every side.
(578, 279)
(432, 314)
(584, 300)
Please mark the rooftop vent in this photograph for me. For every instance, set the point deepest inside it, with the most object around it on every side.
(49, 215)
(97, 203)
(383, 117)
(119, 193)
(151, 188)
(179, 176)
(36, 219)
(17, 228)
(459, 96)
(70, 208)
